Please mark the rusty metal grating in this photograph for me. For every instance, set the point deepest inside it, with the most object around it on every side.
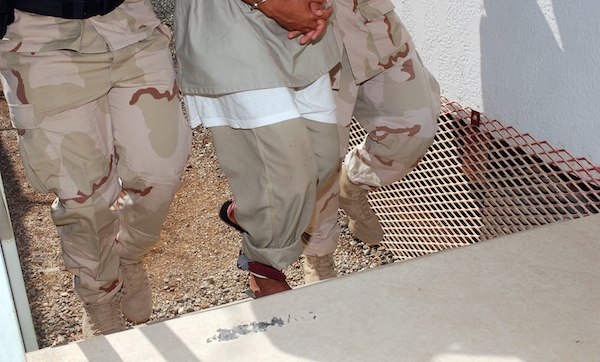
(478, 181)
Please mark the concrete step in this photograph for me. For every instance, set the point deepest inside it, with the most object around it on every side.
(531, 296)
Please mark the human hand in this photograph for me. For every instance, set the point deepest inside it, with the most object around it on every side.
(303, 16)
(311, 35)
(318, 10)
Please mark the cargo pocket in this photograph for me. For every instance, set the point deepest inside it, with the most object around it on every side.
(373, 9)
(379, 21)
(23, 120)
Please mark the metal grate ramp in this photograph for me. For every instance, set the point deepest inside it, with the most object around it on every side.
(480, 180)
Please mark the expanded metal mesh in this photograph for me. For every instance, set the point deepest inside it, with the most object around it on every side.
(480, 180)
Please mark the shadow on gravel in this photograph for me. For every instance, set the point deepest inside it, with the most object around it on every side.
(19, 203)
(12, 188)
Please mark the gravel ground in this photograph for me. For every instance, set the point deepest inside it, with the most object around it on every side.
(193, 266)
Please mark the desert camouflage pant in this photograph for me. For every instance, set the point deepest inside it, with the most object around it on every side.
(398, 109)
(105, 133)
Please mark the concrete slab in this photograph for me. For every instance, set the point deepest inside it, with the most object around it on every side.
(532, 296)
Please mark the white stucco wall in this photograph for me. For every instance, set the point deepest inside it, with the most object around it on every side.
(531, 64)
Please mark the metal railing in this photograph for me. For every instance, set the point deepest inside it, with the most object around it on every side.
(479, 180)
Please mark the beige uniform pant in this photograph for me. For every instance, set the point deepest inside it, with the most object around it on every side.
(276, 173)
(105, 133)
(398, 109)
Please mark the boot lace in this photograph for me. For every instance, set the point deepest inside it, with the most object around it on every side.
(105, 318)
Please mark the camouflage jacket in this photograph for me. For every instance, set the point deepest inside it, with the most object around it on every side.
(132, 21)
(372, 34)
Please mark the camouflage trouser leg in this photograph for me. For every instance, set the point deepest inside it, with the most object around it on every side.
(398, 109)
(274, 172)
(106, 134)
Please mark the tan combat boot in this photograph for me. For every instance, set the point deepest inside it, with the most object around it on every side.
(362, 220)
(102, 318)
(317, 268)
(136, 299)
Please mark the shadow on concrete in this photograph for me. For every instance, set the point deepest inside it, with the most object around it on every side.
(538, 68)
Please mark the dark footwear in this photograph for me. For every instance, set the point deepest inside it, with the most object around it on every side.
(226, 214)
(264, 280)
(261, 287)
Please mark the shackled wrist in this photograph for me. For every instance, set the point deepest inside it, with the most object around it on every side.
(254, 6)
